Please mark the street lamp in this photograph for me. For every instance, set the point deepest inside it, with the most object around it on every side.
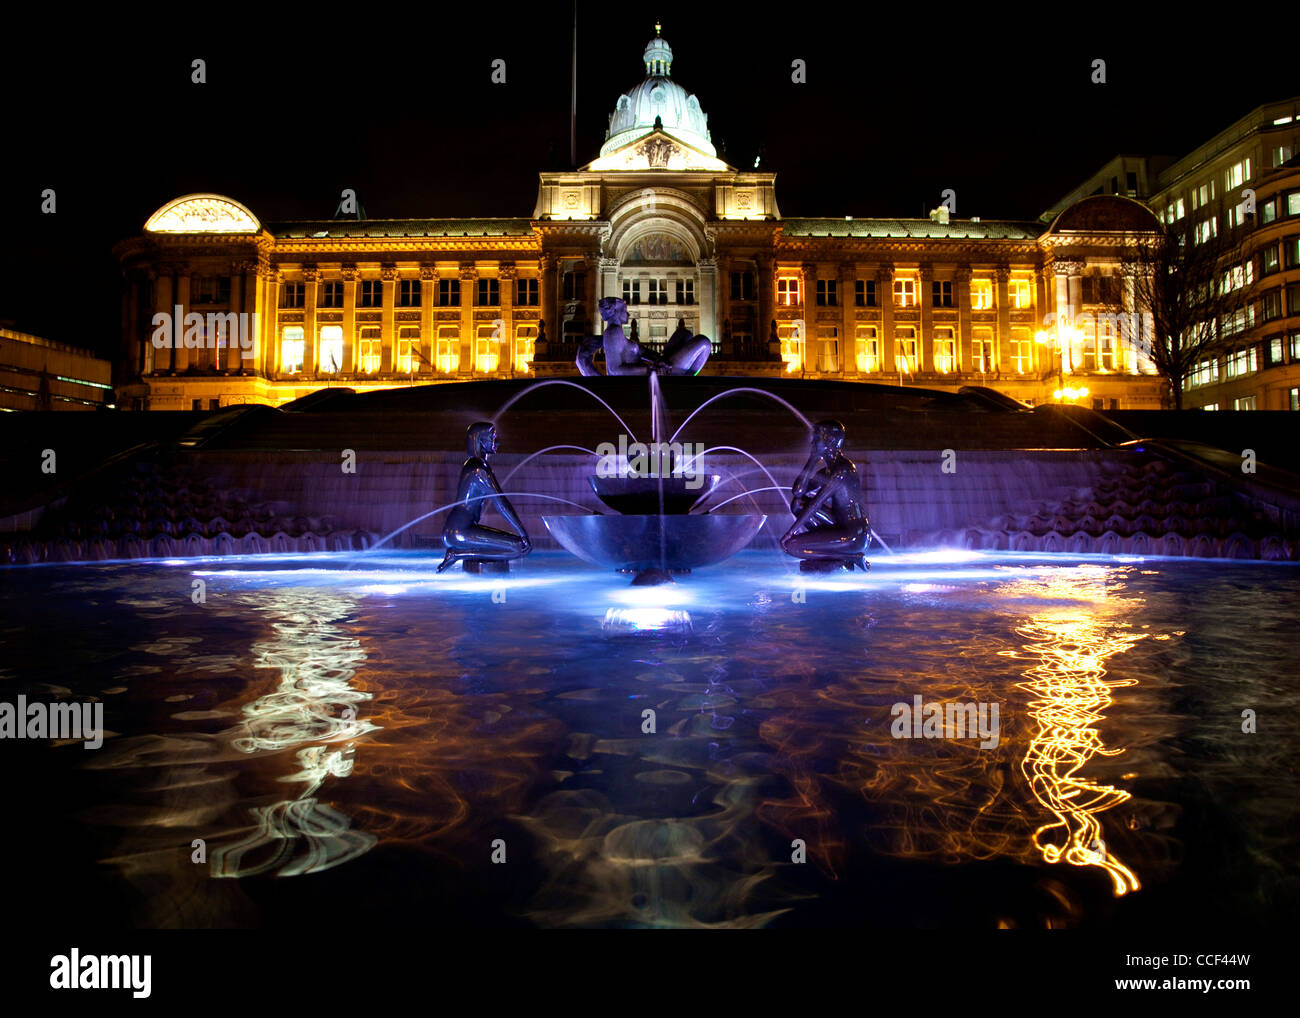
(1058, 337)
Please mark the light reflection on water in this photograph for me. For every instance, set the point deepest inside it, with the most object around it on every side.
(418, 718)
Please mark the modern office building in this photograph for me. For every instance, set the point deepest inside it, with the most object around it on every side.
(1243, 184)
(38, 374)
(221, 307)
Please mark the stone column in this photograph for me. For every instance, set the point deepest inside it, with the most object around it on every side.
(765, 282)
(885, 288)
(1045, 303)
(726, 344)
(812, 346)
(230, 357)
(183, 358)
(164, 359)
(965, 337)
(848, 321)
(248, 358)
(1131, 325)
(1076, 306)
(387, 328)
(507, 274)
(350, 276)
(925, 337)
(591, 306)
(310, 346)
(708, 299)
(550, 301)
(1066, 311)
(428, 341)
(270, 360)
(608, 286)
(1003, 274)
(468, 281)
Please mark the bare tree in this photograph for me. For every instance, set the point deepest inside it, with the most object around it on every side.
(1188, 297)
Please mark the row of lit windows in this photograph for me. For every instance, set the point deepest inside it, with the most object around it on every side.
(1093, 355)
(1246, 361)
(657, 291)
(409, 293)
(1019, 293)
(408, 355)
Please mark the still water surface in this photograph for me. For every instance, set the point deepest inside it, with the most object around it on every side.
(354, 739)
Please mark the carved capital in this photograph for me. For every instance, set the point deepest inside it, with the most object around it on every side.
(310, 274)
(1002, 273)
(848, 270)
(962, 273)
(243, 267)
(468, 273)
(349, 272)
(388, 273)
(507, 271)
(428, 273)
(547, 262)
(926, 273)
(885, 274)
(1066, 267)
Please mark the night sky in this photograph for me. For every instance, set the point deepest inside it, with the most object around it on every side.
(399, 105)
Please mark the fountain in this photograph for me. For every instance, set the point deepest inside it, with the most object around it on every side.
(656, 528)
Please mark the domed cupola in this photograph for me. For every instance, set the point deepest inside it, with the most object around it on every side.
(658, 102)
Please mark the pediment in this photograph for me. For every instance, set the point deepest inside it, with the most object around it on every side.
(657, 150)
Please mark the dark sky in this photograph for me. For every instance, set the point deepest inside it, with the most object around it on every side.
(399, 105)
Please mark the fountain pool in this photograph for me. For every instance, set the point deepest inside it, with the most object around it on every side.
(338, 721)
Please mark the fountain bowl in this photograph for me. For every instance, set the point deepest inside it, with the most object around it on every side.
(633, 542)
(640, 496)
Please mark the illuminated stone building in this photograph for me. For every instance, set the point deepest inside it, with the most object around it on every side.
(658, 219)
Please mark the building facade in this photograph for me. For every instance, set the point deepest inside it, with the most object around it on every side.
(39, 374)
(1243, 184)
(221, 308)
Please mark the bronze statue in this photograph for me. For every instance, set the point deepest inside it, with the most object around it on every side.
(683, 355)
(830, 529)
(465, 537)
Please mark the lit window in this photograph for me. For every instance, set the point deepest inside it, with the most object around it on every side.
(1207, 229)
(292, 295)
(291, 349)
(945, 351)
(868, 349)
(829, 341)
(1244, 403)
(905, 349)
(981, 349)
(1241, 362)
(905, 293)
(981, 294)
(1281, 153)
(408, 349)
(448, 357)
(1293, 203)
(369, 349)
(791, 342)
(1237, 174)
(1293, 399)
(487, 349)
(1018, 293)
(1022, 351)
(787, 290)
(1210, 406)
(331, 349)
(525, 338)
